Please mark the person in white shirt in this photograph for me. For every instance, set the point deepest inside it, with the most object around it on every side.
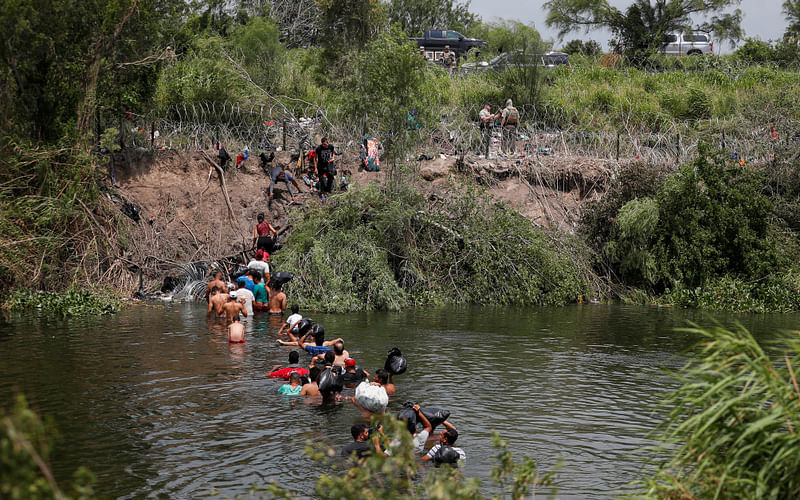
(247, 295)
(445, 452)
(259, 264)
(292, 320)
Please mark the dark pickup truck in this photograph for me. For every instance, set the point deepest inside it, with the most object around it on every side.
(435, 40)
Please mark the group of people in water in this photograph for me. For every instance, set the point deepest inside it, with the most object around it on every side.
(331, 369)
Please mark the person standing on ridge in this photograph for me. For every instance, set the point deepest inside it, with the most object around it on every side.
(324, 157)
(509, 125)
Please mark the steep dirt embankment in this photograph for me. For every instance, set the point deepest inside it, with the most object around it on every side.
(187, 214)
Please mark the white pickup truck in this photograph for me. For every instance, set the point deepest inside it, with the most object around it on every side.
(693, 43)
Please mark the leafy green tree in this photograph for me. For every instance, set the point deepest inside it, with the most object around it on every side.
(506, 36)
(346, 24)
(791, 8)
(261, 50)
(579, 47)
(416, 16)
(640, 27)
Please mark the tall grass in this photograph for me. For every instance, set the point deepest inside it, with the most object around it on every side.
(733, 428)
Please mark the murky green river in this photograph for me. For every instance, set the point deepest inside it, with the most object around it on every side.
(156, 403)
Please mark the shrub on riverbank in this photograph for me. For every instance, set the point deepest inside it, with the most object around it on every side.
(71, 302)
(732, 431)
(386, 248)
(706, 236)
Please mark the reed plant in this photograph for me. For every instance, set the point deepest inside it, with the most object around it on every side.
(732, 429)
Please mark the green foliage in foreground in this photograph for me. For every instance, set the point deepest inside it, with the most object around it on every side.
(733, 428)
(378, 477)
(382, 248)
(25, 445)
(71, 302)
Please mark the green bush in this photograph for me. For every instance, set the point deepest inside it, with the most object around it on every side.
(381, 248)
(71, 302)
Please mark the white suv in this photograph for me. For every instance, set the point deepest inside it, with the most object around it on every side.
(693, 43)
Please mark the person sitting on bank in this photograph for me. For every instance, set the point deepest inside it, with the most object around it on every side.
(292, 367)
(276, 174)
(362, 445)
(236, 331)
(293, 388)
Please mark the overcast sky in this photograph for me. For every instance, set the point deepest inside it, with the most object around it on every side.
(761, 18)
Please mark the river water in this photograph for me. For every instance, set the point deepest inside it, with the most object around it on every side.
(156, 403)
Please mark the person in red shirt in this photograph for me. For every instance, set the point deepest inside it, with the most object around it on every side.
(294, 367)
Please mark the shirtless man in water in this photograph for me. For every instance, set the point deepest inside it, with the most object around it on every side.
(277, 300)
(233, 307)
(340, 353)
(216, 302)
(216, 282)
(236, 331)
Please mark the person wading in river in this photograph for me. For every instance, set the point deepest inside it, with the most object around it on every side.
(236, 331)
(261, 235)
(233, 307)
(216, 303)
(216, 282)
(277, 300)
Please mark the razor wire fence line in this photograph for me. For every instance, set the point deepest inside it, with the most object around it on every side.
(276, 126)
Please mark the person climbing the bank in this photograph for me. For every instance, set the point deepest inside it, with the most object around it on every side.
(276, 174)
(259, 263)
(324, 157)
(487, 119)
(236, 331)
(264, 235)
(445, 452)
(509, 125)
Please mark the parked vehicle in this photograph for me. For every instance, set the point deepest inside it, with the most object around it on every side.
(435, 41)
(518, 59)
(692, 43)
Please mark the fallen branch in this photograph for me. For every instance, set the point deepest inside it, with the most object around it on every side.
(222, 182)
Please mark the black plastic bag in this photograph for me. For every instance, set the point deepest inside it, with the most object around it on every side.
(330, 381)
(410, 418)
(395, 362)
(281, 277)
(436, 416)
(304, 326)
(445, 455)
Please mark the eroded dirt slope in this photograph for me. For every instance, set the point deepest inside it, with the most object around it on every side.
(184, 216)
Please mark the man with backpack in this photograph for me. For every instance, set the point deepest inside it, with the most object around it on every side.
(509, 124)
